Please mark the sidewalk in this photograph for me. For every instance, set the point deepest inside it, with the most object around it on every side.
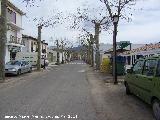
(107, 78)
(10, 80)
(111, 102)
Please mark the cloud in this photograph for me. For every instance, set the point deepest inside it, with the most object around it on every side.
(144, 27)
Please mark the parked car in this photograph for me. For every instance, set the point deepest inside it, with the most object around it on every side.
(143, 80)
(17, 67)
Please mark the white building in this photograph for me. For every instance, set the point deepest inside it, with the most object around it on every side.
(143, 51)
(14, 41)
(53, 49)
(31, 45)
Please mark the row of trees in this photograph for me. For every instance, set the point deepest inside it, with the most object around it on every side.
(91, 21)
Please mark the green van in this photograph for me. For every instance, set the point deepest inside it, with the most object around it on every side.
(143, 80)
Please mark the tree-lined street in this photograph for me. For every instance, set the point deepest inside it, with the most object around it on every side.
(70, 90)
(62, 91)
(79, 59)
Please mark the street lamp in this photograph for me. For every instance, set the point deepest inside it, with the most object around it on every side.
(115, 23)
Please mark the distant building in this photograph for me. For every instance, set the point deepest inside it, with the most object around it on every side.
(143, 51)
(107, 50)
(105, 47)
(14, 41)
(31, 45)
(52, 54)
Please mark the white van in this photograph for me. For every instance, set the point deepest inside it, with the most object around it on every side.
(31, 57)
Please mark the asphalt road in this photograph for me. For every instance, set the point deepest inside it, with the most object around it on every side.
(60, 93)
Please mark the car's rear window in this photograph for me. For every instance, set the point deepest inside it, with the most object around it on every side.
(13, 63)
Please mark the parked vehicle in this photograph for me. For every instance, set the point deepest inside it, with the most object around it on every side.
(143, 80)
(17, 67)
(31, 57)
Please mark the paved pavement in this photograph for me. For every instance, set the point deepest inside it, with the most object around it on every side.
(59, 92)
(69, 91)
(111, 102)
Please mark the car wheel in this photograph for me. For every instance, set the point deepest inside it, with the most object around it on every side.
(128, 92)
(19, 72)
(156, 109)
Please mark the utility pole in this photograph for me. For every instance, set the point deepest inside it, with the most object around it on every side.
(39, 48)
(3, 38)
(57, 52)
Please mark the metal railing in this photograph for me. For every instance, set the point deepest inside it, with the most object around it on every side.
(16, 40)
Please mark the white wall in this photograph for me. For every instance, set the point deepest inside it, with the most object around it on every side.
(13, 31)
(18, 20)
(27, 46)
(7, 56)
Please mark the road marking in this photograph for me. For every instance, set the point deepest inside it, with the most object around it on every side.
(76, 63)
(81, 71)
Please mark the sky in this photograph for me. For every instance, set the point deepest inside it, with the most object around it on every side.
(144, 28)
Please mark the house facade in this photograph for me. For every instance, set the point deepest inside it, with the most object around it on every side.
(14, 41)
(31, 45)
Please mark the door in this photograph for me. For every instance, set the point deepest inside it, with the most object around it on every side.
(23, 67)
(156, 82)
(27, 67)
(145, 81)
(133, 78)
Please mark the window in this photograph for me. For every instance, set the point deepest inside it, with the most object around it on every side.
(137, 69)
(149, 67)
(23, 63)
(13, 63)
(31, 46)
(129, 60)
(11, 15)
(26, 62)
(158, 69)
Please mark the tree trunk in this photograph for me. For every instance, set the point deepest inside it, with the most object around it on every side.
(92, 55)
(39, 48)
(57, 52)
(3, 39)
(97, 31)
(89, 53)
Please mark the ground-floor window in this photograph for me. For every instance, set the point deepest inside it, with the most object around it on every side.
(12, 55)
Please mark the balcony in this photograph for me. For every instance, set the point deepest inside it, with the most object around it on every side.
(15, 41)
(13, 26)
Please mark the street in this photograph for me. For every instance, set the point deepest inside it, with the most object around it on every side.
(62, 92)
(67, 92)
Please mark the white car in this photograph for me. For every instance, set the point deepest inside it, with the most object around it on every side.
(17, 67)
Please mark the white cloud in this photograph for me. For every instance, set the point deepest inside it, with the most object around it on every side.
(144, 27)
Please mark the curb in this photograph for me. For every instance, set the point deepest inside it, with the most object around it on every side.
(102, 77)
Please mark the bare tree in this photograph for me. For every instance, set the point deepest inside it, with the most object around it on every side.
(46, 22)
(119, 7)
(87, 40)
(89, 19)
